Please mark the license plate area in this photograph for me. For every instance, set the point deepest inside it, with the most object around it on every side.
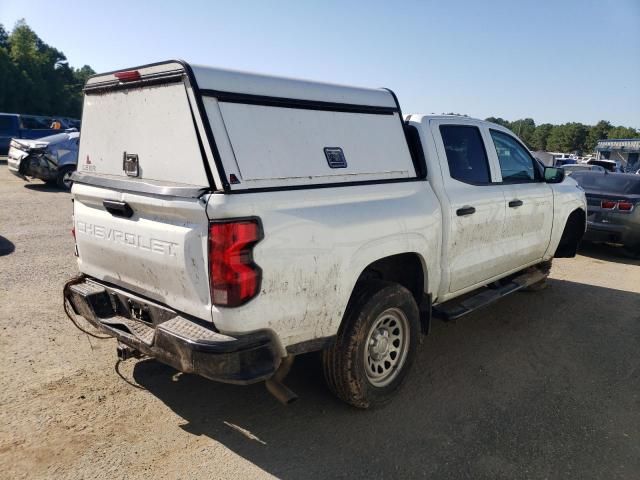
(138, 309)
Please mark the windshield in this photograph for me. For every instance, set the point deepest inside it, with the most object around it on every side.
(627, 184)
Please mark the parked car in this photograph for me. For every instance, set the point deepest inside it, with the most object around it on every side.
(582, 167)
(609, 165)
(52, 159)
(278, 216)
(13, 125)
(561, 162)
(613, 208)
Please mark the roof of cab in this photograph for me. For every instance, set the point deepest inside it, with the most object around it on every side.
(247, 83)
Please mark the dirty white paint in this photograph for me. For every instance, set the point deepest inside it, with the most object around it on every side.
(160, 252)
(285, 146)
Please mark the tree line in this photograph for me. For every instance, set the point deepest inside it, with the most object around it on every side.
(36, 78)
(570, 137)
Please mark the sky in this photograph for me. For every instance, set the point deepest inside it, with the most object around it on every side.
(554, 61)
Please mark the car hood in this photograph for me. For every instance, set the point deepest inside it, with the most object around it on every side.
(52, 143)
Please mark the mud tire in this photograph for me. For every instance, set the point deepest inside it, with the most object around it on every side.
(344, 363)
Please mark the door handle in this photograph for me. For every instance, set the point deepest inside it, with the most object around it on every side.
(461, 212)
(118, 209)
(515, 203)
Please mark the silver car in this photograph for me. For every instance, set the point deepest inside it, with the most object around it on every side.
(52, 159)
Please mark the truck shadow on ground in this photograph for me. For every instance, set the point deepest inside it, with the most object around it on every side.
(537, 385)
(44, 187)
(607, 253)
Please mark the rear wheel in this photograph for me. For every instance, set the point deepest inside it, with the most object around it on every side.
(375, 347)
(63, 180)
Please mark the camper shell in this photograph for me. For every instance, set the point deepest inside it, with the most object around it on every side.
(230, 131)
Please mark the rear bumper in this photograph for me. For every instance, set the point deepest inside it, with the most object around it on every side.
(170, 338)
(612, 232)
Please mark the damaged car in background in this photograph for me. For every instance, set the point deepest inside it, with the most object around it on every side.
(52, 159)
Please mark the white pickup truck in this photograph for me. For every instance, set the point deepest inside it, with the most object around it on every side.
(226, 222)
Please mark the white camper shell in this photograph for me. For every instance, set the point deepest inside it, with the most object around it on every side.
(233, 131)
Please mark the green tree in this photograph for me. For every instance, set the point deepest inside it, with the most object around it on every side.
(525, 129)
(35, 77)
(623, 132)
(598, 132)
(540, 136)
(570, 137)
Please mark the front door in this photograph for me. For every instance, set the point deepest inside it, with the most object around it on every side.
(529, 201)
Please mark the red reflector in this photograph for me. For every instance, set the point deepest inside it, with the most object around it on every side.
(608, 204)
(233, 277)
(73, 232)
(128, 76)
(625, 206)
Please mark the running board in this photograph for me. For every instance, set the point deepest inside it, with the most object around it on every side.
(456, 308)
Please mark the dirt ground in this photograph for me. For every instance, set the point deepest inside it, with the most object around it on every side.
(540, 385)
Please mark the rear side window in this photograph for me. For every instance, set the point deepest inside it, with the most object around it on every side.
(516, 164)
(6, 124)
(466, 155)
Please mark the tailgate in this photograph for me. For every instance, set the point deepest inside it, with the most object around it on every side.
(159, 252)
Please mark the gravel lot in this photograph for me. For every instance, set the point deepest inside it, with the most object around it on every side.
(540, 385)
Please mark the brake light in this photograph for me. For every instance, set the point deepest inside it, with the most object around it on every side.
(625, 206)
(128, 76)
(233, 276)
(608, 204)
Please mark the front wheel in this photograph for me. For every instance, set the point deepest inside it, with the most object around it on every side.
(63, 180)
(375, 347)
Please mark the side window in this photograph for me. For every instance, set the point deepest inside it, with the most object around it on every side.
(516, 164)
(466, 155)
(7, 124)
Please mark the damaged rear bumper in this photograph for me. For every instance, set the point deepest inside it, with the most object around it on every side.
(165, 335)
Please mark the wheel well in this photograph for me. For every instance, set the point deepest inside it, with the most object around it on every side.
(404, 268)
(407, 270)
(571, 235)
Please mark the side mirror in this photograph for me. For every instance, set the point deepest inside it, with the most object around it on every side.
(553, 174)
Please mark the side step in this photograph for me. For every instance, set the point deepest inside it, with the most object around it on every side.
(457, 308)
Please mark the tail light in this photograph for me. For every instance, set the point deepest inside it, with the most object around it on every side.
(128, 76)
(233, 276)
(625, 206)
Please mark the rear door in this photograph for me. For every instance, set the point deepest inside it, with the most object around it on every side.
(8, 130)
(529, 201)
(474, 205)
(140, 189)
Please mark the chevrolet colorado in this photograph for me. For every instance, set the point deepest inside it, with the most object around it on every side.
(274, 217)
